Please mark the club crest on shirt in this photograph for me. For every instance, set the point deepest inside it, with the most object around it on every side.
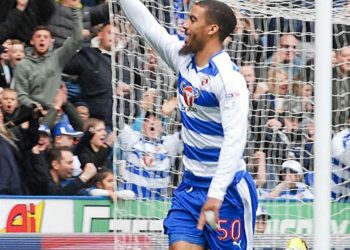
(189, 94)
(147, 159)
(205, 81)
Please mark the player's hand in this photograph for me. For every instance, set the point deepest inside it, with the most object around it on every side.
(212, 204)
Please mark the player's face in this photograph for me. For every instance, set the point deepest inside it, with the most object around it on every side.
(196, 29)
(41, 41)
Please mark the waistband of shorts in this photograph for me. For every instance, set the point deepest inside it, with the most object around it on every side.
(204, 182)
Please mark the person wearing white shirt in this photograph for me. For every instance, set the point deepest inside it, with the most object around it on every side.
(213, 101)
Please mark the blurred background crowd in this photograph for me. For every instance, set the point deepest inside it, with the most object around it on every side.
(68, 79)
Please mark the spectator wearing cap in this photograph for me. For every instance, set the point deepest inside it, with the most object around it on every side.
(262, 217)
(44, 142)
(63, 135)
(290, 186)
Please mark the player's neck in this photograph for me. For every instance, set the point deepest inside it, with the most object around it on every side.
(203, 56)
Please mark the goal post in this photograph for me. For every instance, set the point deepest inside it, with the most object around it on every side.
(323, 122)
(281, 49)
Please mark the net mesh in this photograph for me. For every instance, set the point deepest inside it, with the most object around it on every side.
(273, 45)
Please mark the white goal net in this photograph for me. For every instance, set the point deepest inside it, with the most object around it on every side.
(274, 47)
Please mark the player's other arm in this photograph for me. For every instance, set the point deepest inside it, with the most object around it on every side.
(144, 22)
(234, 108)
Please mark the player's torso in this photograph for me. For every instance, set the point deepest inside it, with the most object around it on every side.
(196, 91)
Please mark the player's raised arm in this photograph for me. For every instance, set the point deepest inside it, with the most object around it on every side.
(156, 35)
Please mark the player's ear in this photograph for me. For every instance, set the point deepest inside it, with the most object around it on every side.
(214, 28)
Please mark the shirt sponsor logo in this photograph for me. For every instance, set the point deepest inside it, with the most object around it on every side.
(232, 95)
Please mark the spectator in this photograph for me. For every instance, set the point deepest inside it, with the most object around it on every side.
(150, 157)
(14, 19)
(303, 92)
(95, 146)
(12, 148)
(104, 185)
(5, 69)
(147, 104)
(45, 137)
(245, 47)
(61, 24)
(290, 186)
(248, 73)
(14, 113)
(341, 165)
(16, 55)
(10, 182)
(279, 89)
(262, 217)
(156, 74)
(38, 75)
(64, 135)
(93, 67)
(258, 168)
(256, 89)
(83, 110)
(341, 90)
(286, 56)
(36, 13)
(56, 179)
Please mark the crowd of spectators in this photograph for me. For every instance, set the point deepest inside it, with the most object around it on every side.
(57, 104)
